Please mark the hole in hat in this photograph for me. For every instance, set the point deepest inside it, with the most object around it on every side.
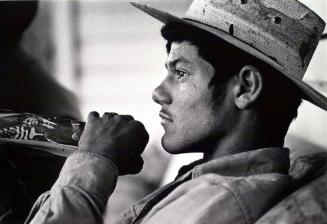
(244, 1)
(231, 29)
(277, 20)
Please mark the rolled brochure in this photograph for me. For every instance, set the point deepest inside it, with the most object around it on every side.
(51, 134)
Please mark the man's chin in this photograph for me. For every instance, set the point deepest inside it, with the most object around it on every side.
(169, 146)
(174, 147)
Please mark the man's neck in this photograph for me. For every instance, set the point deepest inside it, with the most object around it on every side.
(248, 135)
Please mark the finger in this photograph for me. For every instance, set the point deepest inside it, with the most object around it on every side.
(92, 115)
(131, 165)
(143, 137)
(109, 114)
(138, 165)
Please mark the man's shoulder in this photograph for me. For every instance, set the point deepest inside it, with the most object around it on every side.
(234, 199)
(242, 184)
(252, 195)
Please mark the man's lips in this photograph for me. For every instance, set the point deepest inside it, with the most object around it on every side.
(166, 116)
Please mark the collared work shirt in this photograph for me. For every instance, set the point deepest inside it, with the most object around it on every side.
(234, 189)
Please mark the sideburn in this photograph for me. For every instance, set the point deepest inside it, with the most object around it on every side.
(219, 84)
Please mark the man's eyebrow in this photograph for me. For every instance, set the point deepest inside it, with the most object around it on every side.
(177, 60)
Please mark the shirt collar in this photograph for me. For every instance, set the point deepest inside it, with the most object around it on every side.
(260, 161)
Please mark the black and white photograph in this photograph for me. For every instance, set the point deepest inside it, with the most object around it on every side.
(163, 112)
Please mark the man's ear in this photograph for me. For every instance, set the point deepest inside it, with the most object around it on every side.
(248, 86)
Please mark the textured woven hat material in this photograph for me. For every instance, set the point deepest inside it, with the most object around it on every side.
(282, 33)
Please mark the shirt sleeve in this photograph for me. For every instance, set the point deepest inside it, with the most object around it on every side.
(80, 194)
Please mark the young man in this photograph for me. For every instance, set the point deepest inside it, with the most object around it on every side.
(232, 88)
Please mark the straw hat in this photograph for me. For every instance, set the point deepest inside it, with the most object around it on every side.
(282, 33)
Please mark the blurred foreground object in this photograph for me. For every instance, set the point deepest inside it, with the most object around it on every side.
(26, 86)
(15, 17)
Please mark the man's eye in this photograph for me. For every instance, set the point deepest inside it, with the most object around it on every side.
(181, 74)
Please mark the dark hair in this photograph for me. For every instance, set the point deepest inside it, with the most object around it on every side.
(280, 98)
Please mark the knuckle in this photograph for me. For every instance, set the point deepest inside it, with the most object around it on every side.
(93, 112)
(128, 117)
(119, 118)
(92, 115)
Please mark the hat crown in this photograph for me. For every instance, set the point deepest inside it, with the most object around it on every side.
(287, 32)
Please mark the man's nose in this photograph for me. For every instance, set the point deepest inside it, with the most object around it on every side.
(160, 95)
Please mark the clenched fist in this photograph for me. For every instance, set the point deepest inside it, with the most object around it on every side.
(117, 137)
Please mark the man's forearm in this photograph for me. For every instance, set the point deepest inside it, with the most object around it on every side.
(81, 192)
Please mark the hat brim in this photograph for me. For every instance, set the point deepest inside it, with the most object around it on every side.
(308, 93)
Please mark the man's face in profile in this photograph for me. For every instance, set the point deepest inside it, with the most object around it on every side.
(189, 115)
